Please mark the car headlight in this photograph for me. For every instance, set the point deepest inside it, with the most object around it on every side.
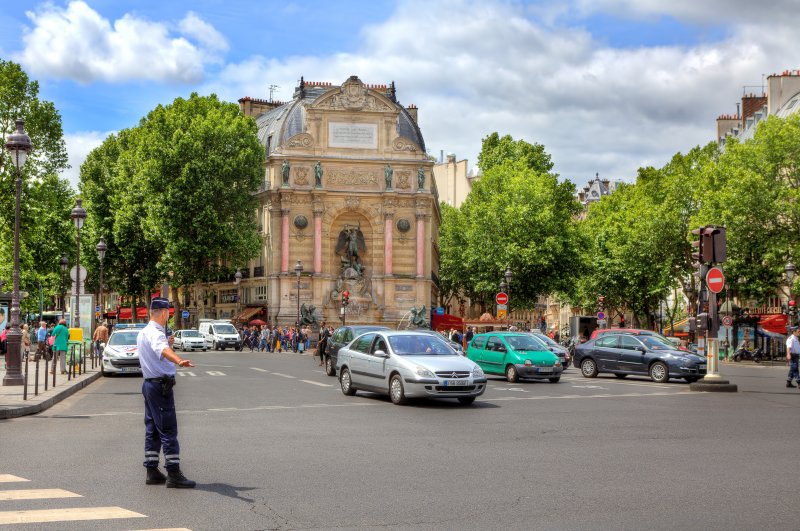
(528, 363)
(558, 363)
(477, 372)
(425, 373)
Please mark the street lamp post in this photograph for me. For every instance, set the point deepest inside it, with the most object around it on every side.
(64, 263)
(298, 269)
(790, 270)
(688, 290)
(78, 216)
(101, 254)
(19, 145)
(237, 279)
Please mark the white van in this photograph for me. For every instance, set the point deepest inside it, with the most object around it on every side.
(219, 335)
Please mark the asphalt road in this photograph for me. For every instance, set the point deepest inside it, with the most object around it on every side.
(274, 444)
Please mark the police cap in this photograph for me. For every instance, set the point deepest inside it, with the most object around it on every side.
(159, 303)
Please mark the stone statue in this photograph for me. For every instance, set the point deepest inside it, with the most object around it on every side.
(285, 172)
(387, 174)
(421, 178)
(308, 315)
(350, 246)
(418, 316)
(317, 175)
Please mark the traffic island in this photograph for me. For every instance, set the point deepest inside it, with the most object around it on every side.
(713, 384)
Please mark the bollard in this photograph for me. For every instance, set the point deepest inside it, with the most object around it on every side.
(36, 379)
(71, 364)
(25, 388)
(46, 374)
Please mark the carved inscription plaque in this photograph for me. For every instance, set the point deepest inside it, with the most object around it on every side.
(349, 135)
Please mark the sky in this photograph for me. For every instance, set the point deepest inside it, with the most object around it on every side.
(607, 86)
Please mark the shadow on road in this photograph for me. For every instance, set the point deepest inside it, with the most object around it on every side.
(226, 490)
(431, 403)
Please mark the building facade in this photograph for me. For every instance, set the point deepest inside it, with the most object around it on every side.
(348, 194)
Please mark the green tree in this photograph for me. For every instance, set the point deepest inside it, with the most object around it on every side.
(452, 244)
(496, 150)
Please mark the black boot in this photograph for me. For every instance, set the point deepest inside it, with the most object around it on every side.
(155, 477)
(177, 480)
(789, 384)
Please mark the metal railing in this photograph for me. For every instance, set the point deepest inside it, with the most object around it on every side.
(75, 358)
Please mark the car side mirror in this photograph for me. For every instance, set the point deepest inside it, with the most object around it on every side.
(381, 354)
(641, 349)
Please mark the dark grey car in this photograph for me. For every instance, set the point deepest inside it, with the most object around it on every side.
(341, 337)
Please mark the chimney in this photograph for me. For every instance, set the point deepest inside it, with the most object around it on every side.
(412, 110)
(451, 158)
(581, 197)
(751, 104)
(606, 183)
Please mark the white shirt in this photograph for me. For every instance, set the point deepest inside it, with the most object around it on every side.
(793, 344)
(152, 341)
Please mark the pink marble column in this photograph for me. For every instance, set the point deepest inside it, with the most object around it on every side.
(387, 244)
(420, 245)
(317, 242)
(285, 241)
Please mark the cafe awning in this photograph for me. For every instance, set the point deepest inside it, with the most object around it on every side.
(247, 313)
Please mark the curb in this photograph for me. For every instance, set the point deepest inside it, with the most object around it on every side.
(10, 412)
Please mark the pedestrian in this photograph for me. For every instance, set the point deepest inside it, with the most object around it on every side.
(322, 343)
(100, 336)
(41, 342)
(60, 342)
(26, 342)
(244, 338)
(792, 355)
(158, 362)
(263, 338)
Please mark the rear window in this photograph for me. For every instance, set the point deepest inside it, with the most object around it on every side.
(362, 343)
(478, 342)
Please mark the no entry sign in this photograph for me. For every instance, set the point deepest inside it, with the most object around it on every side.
(501, 298)
(715, 280)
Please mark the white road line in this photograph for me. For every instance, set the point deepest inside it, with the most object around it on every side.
(315, 383)
(186, 373)
(547, 397)
(36, 494)
(215, 373)
(259, 370)
(66, 515)
(284, 375)
(9, 478)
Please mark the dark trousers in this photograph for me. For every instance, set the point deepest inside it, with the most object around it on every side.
(160, 427)
(794, 374)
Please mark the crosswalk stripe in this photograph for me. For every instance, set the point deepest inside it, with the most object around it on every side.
(186, 373)
(284, 375)
(36, 494)
(65, 515)
(215, 373)
(259, 370)
(9, 478)
(315, 383)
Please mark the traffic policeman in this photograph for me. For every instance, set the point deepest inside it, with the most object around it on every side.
(792, 355)
(158, 362)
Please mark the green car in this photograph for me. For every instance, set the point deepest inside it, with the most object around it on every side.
(514, 354)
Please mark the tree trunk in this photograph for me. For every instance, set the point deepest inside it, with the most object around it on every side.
(177, 304)
(133, 309)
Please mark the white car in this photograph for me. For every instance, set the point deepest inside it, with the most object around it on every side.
(120, 354)
(219, 335)
(189, 340)
(406, 365)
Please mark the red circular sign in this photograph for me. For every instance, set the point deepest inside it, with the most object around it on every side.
(715, 280)
(501, 298)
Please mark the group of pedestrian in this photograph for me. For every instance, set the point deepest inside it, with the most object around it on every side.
(275, 339)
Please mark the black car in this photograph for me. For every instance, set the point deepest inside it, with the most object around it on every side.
(624, 354)
(343, 336)
(563, 353)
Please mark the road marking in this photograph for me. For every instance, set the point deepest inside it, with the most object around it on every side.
(519, 389)
(284, 375)
(315, 383)
(590, 387)
(548, 397)
(36, 494)
(65, 515)
(186, 373)
(9, 478)
(259, 370)
(215, 373)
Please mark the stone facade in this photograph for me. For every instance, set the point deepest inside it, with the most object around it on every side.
(348, 192)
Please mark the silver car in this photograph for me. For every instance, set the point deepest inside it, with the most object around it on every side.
(189, 340)
(408, 365)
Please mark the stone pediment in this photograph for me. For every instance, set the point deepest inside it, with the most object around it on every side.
(354, 95)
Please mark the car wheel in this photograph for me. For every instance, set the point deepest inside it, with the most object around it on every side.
(330, 370)
(102, 370)
(205, 350)
(621, 375)
(466, 400)
(589, 368)
(511, 374)
(691, 379)
(659, 372)
(346, 383)
(214, 345)
(737, 357)
(396, 391)
(554, 379)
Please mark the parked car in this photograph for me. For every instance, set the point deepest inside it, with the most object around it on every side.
(341, 337)
(189, 340)
(515, 355)
(623, 354)
(560, 351)
(219, 335)
(406, 365)
(120, 354)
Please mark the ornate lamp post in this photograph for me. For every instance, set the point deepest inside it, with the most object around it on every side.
(78, 216)
(101, 254)
(504, 284)
(19, 145)
(298, 268)
(790, 270)
(64, 262)
(237, 279)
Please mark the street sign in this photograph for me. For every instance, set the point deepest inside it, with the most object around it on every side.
(501, 314)
(502, 306)
(727, 321)
(73, 273)
(601, 316)
(97, 308)
(440, 311)
(501, 298)
(715, 280)
(185, 314)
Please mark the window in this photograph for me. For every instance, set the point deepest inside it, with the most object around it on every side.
(362, 343)
(629, 342)
(607, 342)
(478, 341)
(420, 345)
(495, 343)
(380, 344)
(261, 291)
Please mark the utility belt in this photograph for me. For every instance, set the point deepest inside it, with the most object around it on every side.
(166, 382)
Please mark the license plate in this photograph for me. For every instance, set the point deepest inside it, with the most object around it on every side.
(123, 369)
(701, 367)
(544, 370)
(448, 383)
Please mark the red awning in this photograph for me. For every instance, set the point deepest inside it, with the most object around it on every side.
(446, 322)
(775, 323)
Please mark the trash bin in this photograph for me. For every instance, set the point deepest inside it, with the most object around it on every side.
(74, 349)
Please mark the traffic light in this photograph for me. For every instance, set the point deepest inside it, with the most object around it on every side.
(709, 245)
(345, 298)
(622, 322)
(702, 323)
(792, 308)
(601, 303)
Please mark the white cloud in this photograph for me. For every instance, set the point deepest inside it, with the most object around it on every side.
(79, 145)
(78, 43)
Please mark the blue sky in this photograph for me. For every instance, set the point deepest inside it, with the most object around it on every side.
(606, 85)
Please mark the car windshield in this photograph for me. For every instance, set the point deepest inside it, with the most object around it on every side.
(524, 343)
(654, 343)
(123, 338)
(224, 329)
(546, 339)
(419, 345)
(190, 333)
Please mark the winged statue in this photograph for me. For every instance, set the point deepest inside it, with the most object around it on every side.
(308, 315)
(350, 246)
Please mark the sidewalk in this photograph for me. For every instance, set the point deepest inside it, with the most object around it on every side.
(12, 404)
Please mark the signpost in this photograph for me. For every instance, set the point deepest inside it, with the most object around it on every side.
(185, 314)
(501, 314)
(501, 298)
(715, 280)
(727, 321)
